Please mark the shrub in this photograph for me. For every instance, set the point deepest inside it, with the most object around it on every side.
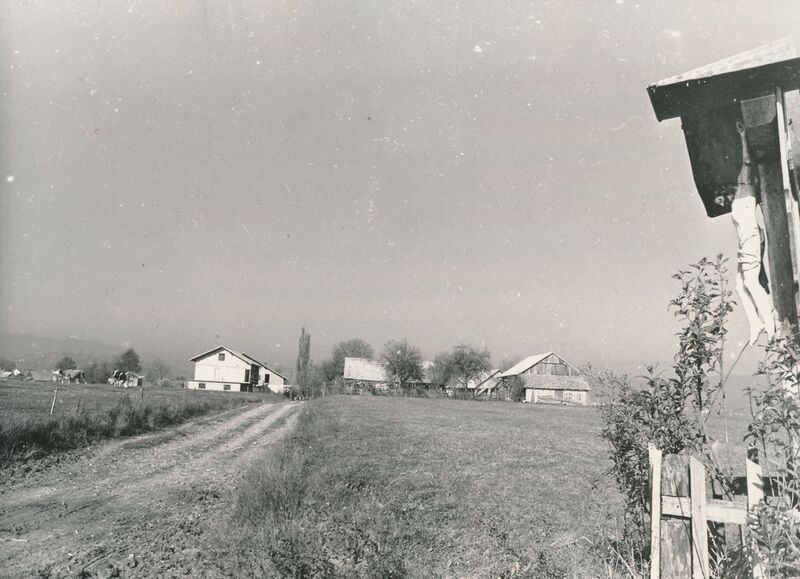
(775, 431)
(669, 412)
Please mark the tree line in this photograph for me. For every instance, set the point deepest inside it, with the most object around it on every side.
(403, 364)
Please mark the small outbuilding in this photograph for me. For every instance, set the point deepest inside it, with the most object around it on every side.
(483, 384)
(226, 370)
(548, 378)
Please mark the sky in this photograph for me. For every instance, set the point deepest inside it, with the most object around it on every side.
(178, 175)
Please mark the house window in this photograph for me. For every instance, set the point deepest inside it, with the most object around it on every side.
(226, 387)
(247, 375)
(221, 356)
(202, 386)
(266, 378)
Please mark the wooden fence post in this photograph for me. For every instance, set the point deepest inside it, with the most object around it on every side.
(676, 546)
(53, 405)
(697, 494)
(654, 455)
(755, 492)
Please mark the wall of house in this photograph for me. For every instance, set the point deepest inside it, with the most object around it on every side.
(215, 386)
(575, 396)
(276, 382)
(211, 369)
(536, 395)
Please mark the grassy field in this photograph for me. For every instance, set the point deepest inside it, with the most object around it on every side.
(85, 413)
(405, 487)
(382, 487)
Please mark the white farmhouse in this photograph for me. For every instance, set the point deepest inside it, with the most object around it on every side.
(228, 370)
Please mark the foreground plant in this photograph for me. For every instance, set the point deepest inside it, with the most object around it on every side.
(671, 411)
(775, 432)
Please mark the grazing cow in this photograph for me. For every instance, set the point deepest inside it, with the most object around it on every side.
(73, 377)
(120, 378)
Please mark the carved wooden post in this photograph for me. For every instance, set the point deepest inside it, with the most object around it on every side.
(761, 121)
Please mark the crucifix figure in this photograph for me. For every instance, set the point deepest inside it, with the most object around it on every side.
(756, 303)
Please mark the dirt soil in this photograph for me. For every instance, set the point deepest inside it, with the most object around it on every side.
(148, 506)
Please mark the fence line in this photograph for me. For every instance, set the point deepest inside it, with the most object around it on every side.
(680, 513)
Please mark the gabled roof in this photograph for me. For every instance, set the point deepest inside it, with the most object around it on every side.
(242, 356)
(488, 379)
(364, 369)
(530, 362)
(726, 82)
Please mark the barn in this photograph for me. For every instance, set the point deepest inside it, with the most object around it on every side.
(365, 372)
(228, 370)
(548, 378)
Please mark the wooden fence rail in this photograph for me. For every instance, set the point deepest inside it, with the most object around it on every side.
(681, 513)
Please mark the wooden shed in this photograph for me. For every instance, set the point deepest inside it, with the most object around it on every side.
(548, 378)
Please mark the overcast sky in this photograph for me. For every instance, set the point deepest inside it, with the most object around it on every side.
(186, 173)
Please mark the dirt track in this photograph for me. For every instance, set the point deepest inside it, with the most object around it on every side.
(145, 506)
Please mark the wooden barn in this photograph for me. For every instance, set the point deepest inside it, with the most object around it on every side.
(548, 378)
(363, 372)
(228, 370)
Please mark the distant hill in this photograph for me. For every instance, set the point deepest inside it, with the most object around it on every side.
(37, 352)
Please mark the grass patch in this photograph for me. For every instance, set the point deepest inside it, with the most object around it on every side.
(88, 413)
(394, 487)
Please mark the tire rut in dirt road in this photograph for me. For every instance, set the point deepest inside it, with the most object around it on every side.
(154, 502)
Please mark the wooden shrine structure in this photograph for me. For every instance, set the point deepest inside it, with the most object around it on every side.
(749, 88)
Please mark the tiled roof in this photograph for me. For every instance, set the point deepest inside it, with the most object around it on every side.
(364, 369)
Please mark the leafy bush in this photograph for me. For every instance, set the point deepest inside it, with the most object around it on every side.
(669, 412)
(775, 431)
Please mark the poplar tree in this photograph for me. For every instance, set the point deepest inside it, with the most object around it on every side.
(303, 356)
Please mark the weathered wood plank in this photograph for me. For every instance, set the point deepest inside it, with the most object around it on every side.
(781, 279)
(721, 85)
(792, 209)
(654, 456)
(676, 546)
(755, 488)
(717, 511)
(755, 493)
(697, 492)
